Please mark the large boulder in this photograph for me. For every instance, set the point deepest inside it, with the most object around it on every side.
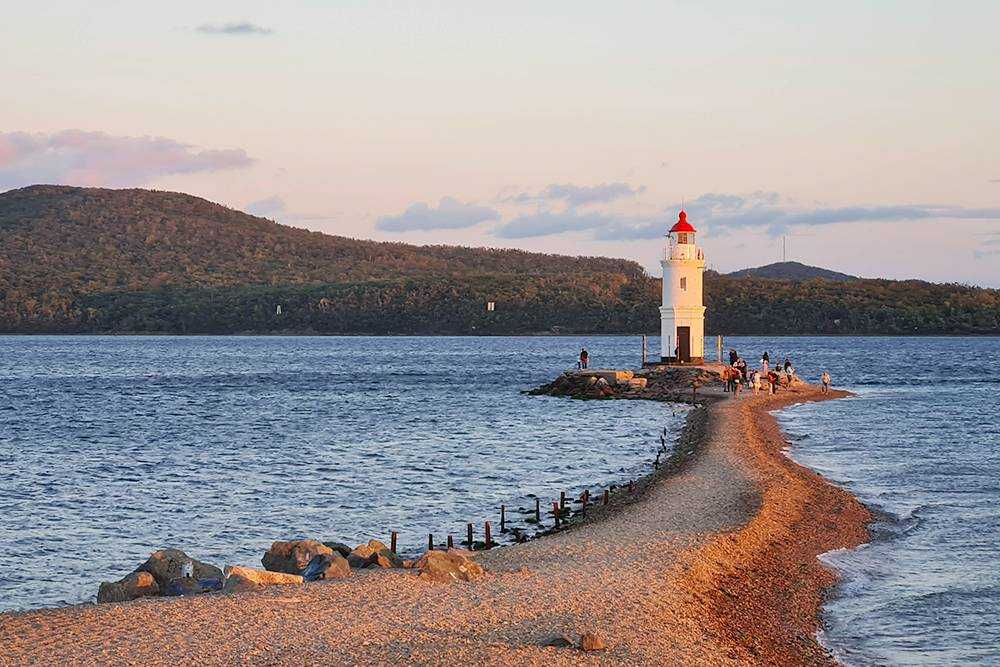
(326, 566)
(293, 557)
(387, 559)
(373, 554)
(239, 578)
(448, 566)
(168, 564)
(135, 585)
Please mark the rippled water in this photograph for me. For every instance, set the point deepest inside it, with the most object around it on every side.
(920, 444)
(112, 447)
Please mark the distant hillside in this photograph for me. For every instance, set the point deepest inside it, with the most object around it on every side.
(94, 260)
(790, 271)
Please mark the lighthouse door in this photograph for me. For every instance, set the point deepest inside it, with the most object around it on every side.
(684, 343)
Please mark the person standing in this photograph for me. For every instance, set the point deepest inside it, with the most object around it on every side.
(825, 379)
(741, 366)
(765, 363)
(772, 382)
(733, 357)
(755, 382)
(584, 358)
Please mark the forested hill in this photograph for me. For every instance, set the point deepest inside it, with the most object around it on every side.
(790, 271)
(96, 260)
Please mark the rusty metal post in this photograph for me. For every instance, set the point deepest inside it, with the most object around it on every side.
(392, 541)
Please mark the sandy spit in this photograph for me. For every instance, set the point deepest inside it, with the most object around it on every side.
(711, 563)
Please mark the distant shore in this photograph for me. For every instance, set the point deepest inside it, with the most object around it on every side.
(539, 334)
(710, 562)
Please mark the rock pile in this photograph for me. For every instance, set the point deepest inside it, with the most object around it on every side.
(171, 572)
(663, 383)
(166, 572)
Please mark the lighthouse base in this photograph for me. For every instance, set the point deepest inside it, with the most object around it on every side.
(674, 361)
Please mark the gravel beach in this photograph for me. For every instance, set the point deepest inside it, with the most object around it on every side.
(713, 562)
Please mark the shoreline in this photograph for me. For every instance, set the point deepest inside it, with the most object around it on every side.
(536, 334)
(692, 567)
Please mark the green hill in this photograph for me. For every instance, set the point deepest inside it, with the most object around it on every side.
(96, 260)
(790, 271)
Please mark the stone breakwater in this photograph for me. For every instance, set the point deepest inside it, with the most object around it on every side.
(674, 384)
(711, 561)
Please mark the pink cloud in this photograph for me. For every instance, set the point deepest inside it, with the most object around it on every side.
(75, 157)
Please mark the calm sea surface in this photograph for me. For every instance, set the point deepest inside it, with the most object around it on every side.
(113, 447)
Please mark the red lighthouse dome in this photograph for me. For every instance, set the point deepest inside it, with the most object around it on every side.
(682, 224)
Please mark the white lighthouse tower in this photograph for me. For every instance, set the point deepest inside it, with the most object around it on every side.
(682, 315)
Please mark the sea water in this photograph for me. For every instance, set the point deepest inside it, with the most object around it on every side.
(113, 447)
(920, 445)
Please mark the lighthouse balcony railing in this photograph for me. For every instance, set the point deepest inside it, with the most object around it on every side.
(680, 251)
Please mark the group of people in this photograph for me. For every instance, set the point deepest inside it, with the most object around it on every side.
(739, 375)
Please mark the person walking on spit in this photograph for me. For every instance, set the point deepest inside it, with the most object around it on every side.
(765, 363)
(755, 382)
(825, 379)
(584, 358)
(733, 357)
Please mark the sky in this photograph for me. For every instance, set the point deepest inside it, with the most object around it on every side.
(862, 136)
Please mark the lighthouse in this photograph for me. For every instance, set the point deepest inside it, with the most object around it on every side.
(682, 315)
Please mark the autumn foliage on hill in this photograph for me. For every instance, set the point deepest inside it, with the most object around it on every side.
(96, 260)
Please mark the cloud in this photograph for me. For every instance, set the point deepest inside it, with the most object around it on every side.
(267, 208)
(450, 214)
(578, 195)
(765, 210)
(545, 223)
(76, 157)
(726, 212)
(236, 28)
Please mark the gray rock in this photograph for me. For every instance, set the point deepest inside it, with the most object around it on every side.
(168, 564)
(293, 557)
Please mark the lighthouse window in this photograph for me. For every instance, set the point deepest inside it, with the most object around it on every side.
(684, 284)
